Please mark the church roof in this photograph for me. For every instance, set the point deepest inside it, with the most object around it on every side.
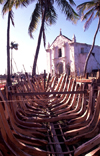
(62, 37)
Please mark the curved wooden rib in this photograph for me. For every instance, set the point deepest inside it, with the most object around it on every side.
(88, 145)
(7, 135)
(90, 130)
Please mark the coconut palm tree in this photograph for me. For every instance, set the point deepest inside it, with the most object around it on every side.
(45, 10)
(8, 5)
(92, 11)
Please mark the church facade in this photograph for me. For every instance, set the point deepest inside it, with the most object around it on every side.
(68, 56)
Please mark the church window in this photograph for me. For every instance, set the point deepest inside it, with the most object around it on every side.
(59, 53)
(82, 50)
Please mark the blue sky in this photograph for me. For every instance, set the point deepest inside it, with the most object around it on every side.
(27, 46)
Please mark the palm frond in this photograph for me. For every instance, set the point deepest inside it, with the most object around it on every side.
(34, 19)
(22, 3)
(85, 6)
(12, 17)
(11, 3)
(51, 15)
(88, 22)
(67, 10)
(87, 14)
(51, 1)
(72, 2)
(7, 6)
(97, 14)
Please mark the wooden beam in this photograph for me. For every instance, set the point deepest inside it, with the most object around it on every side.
(47, 93)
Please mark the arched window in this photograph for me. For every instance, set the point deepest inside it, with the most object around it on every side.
(59, 53)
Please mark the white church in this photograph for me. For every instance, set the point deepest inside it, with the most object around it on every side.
(68, 56)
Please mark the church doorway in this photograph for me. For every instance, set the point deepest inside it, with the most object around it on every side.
(60, 68)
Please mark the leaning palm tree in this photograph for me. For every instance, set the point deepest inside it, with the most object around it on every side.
(7, 7)
(45, 10)
(92, 11)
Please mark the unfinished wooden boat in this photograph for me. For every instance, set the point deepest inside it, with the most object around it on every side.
(53, 116)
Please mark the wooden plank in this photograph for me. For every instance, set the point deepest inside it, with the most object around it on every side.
(55, 139)
(47, 93)
(94, 152)
(87, 145)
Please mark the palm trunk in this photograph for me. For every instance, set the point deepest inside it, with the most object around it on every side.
(8, 51)
(86, 63)
(38, 45)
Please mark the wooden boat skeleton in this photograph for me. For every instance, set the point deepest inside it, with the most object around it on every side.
(54, 123)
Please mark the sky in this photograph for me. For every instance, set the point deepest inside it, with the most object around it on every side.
(22, 59)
